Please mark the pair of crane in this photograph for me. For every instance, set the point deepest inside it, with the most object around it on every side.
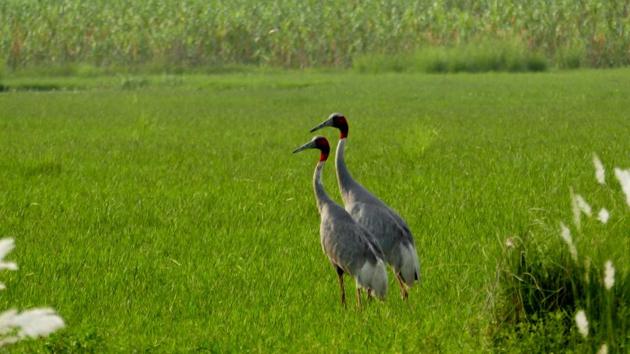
(367, 234)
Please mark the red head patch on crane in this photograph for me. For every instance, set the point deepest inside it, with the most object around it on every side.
(318, 142)
(322, 144)
(336, 120)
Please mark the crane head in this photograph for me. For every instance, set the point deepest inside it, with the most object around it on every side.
(318, 142)
(336, 120)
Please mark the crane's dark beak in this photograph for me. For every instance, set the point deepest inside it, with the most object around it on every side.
(326, 123)
(309, 145)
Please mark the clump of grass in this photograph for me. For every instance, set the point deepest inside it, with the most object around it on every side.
(554, 295)
(378, 63)
(481, 56)
(132, 83)
(570, 56)
(63, 70)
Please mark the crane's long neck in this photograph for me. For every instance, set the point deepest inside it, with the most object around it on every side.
(344, 178)
(320, 194)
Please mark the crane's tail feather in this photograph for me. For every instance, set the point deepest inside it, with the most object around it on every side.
(373, 276)
(410, 265)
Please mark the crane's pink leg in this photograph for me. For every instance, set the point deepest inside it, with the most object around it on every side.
(403, 287)
(343, 290)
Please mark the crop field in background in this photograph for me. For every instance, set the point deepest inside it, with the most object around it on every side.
(167, 213)
(88, 36)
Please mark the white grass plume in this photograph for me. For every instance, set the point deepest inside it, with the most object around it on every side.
(600, 172)
(609, 275)
(623, 176)
(32, 323)
(583, 205)
(575, 209)
(579, 206)
(582, 323)
(6, 246)
(603, 349)
(565, 233)
(603, 216)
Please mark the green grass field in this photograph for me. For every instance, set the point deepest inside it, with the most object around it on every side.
(167, 213)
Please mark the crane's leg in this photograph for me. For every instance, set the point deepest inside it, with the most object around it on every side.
(403, 287)
(358, 297)
(343, 290)
(369, 294)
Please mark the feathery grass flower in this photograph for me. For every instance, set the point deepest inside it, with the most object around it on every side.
(33, 323)
(583, 205)
(600, 173)
(576, 210)
(603, 349)
(579, 206)
(582, 323)
(609, 275)
(603, 216)
(565, 233)
(624, 179)
(6, 246)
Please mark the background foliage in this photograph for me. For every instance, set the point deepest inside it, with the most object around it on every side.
(176, 35)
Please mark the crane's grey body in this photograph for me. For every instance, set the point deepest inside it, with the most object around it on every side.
(388, 229)
(347, 244)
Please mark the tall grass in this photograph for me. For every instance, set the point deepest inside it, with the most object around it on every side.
(482, 56)
(289, 33)
(564, 292)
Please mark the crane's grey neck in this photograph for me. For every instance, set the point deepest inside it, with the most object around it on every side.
(344, 178)
(320, 193)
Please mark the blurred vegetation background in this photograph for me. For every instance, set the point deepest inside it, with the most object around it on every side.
(83, 37)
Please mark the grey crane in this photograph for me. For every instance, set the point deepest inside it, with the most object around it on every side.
(348, 246)
(389, 229)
